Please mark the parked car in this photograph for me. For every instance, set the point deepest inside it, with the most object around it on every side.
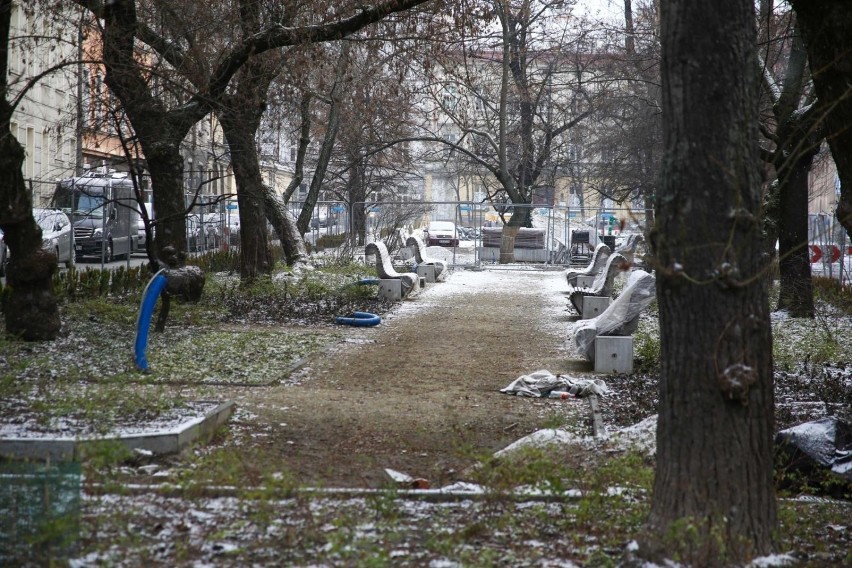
(442, 233)
(57, 234)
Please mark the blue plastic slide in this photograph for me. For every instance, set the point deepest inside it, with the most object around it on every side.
(143, 322)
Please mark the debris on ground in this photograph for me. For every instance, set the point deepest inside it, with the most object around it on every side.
(542, 383)
(407, 481)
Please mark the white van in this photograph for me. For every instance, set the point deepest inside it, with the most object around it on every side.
(141, 239)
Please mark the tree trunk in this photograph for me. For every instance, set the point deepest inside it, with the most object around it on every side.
(166, 168)
(237, 123)
(794, 263)
(159, 132)
(284, 223)
(520, 218)
(825, 29)
(713, 501)
(327, 146)
(29, 306)
(30, 309)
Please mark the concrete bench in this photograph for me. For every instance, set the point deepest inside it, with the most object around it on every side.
(630, 246)
(599, 258)
(393, 285)
(607, 340)
(421, 257)
(603, 282)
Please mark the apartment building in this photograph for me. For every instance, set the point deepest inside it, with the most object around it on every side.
(69, 121)
(45, 120)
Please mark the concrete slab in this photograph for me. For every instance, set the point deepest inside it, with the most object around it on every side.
(160, 442)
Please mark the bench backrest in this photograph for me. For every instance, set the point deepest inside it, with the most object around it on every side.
(418, 247)
(602, 285)
(384, 266)
(599, 257)
(631, 244)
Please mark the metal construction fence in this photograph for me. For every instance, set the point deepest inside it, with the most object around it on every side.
(830, 248)
(559, 236)
(562, 235)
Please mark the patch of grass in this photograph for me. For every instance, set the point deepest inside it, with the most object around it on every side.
(200, 356)
(817, 341)
(122, 312)
(646, 352)
(101, 407)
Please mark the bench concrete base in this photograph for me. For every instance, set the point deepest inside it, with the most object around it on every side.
(584, 281)
(593, 306)
(492, 254)
(613, 354)
(390, 289)
(426, 271)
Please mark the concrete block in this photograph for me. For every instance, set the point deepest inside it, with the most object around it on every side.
(390, 289)
(585, 281)
(593, 306)
(426, 271)
(613, 354)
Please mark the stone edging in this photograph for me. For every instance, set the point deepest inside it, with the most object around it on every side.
(156, 442)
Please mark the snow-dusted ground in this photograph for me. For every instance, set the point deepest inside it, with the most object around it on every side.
(142, 526)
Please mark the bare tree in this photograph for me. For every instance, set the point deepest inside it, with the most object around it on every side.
(714, 500)
(160, 128)
(510, 100)
(825, 30)
(792, 136)
(624, 152)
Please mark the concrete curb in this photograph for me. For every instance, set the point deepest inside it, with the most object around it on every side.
(157, 442)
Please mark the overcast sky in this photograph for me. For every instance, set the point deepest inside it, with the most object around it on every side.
(604, 8)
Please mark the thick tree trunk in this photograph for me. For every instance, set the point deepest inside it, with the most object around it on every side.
(794, 262)
(825, 26)
(160, 133)
(713, 500)
(520, 218)
(166, 168)
(255, 256)
(29, 308)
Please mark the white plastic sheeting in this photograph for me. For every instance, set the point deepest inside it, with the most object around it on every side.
(541, 383)
(620, 318)
(599, 258)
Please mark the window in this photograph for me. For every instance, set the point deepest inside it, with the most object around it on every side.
(29, 165)
(45, 153)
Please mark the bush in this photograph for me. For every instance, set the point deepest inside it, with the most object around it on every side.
(833, 292)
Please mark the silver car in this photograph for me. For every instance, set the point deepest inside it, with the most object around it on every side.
(57, 235)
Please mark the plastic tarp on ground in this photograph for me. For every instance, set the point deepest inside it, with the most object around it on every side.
(816, 450)
(542, 383)
(620, 318)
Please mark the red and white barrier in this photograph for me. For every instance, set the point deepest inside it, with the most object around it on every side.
(826, 253)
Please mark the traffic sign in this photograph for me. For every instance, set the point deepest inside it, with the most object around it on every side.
(816, 253)
(834, 251)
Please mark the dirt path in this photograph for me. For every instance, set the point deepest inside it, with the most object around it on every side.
(420, 393)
